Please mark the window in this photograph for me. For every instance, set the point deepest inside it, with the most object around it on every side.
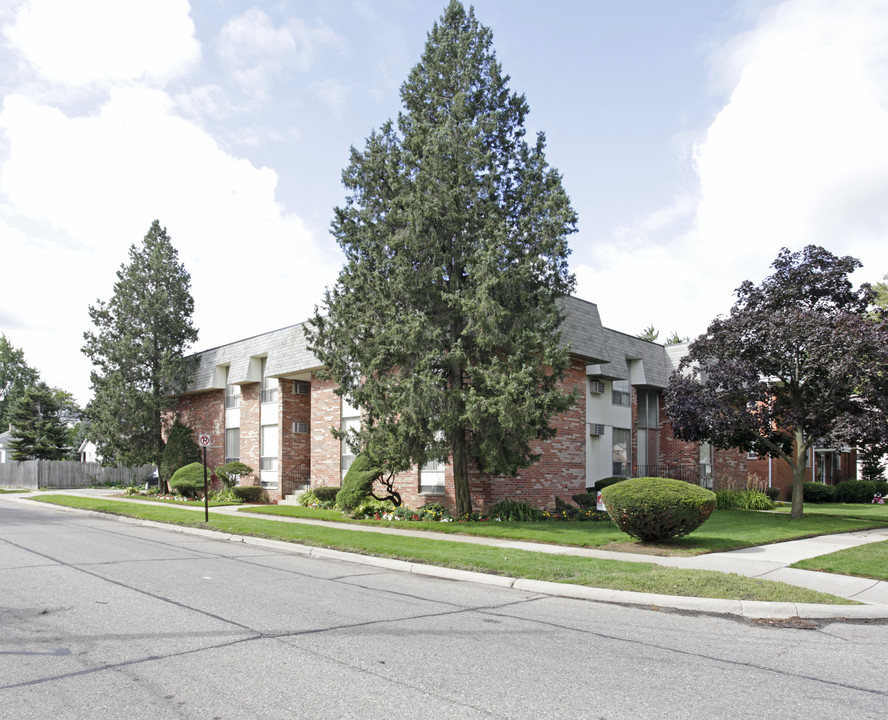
(622, 451)
(705, 462)
(349, 423)
(268, 447)
(232, 396)
(232, 444)
(648, 416)
(621, 393)
(269, 385)
(752, 455)
(431, 477)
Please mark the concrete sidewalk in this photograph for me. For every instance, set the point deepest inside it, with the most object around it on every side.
(769, 562)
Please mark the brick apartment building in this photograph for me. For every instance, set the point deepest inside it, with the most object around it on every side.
(262, 403)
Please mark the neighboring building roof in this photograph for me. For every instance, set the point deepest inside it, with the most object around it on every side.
(608, 353)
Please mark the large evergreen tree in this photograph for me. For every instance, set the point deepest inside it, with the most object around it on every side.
(444, 324)
(798, 361)
(39, 431)
(15, 376)
(138, 351)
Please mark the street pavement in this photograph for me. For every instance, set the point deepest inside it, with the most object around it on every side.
(770, 562)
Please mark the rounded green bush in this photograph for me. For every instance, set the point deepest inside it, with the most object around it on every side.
(189, 480)
(858, 491)
(656, 509)
(815, 492)
(249, 493)
(606, 482)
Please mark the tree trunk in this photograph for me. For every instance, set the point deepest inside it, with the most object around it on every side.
(798, 478)
(461, 474)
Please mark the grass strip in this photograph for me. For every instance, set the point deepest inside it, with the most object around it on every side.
(724, 530)
(613, 574)
(869, 561)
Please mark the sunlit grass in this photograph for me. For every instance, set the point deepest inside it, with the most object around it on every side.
(612, 574)
(870, 561)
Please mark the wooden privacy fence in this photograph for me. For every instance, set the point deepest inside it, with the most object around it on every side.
(34, 474)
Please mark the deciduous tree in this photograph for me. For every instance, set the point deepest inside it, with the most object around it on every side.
(137, 349)
(443, 326)
(798, 361)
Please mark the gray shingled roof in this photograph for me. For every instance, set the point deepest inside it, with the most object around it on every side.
(285, 349)
(606, 350)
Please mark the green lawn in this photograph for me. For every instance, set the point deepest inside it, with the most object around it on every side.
(869, 561)
(7, 490)
(725, 530)
(850, 510)
(179, 503)
(613, 574)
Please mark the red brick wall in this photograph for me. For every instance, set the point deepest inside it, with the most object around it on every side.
(325, 413)
(249, 426)
(205, 413)
(295, 447)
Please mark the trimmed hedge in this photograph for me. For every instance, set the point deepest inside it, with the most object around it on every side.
(326, 493)
(189, 480)
(859, 491)
(249, 493)
(814, 492)
(607, 482)
(230, 473)
(657, 509)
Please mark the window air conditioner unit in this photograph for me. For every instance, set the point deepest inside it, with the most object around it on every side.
(300, 427)
(300, 388)
(596, 429)
(596, 386)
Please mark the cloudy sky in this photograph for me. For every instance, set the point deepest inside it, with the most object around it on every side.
(695, 139)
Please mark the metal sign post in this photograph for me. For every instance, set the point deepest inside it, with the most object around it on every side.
(204, 441)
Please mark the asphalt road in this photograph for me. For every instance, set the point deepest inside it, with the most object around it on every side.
(101, 619)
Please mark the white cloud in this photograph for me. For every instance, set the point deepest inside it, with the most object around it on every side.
(105, 41)
(799, 154)
(256, 52)
(89, 187)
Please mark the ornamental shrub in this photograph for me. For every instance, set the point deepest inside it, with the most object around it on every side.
(858, 491)
(326, 493)
(586, 499)
(607, 482)
(230, 473)
(249, 493)
(357, 483)
(189, 480)
(814, 492)
(773, 493)
(656, 509)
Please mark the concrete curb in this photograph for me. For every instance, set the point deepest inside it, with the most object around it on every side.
(750, 609)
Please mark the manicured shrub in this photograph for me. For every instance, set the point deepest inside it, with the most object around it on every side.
(326, 493)
(773, 493)
(357, 483)
(189, 480)
(656, 509)
(515, 511)
(858, 491)
(564, 510)
(814, 492)
(585, 500)
(607, 482)
(230, 473)
(249, 493)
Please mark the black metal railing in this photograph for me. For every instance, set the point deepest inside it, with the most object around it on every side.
(688, 473)
(293, 477)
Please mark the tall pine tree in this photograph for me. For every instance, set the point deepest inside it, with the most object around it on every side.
(444, 324)
(138, 351)
(39, 431)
